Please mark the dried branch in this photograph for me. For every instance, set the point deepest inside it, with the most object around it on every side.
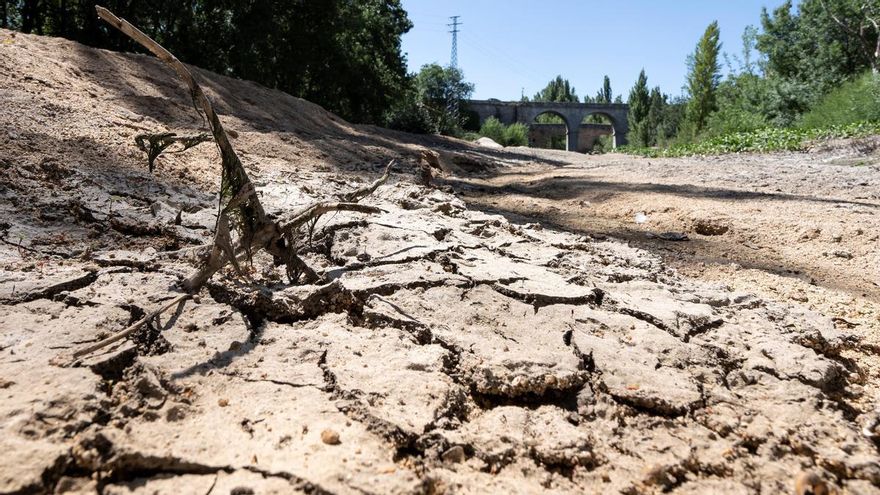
(158, 143)
(235, 182)
(239, 206)
(131, 329)
(363, 192)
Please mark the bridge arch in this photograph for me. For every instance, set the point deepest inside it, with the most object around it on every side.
(595, 119)
(572, 114)
(544, 131)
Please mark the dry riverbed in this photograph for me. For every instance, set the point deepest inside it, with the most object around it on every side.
(509, 329)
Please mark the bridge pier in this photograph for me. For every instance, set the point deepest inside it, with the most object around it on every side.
(574, 130)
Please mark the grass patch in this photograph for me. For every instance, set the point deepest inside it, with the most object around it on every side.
(760, 141)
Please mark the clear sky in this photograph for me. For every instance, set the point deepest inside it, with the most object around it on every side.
(509, 46)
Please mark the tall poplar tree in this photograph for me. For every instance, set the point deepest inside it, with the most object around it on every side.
(702, 80)
(605, 95)
(639, 105)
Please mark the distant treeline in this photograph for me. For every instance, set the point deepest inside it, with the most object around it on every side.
(810, 66)
(342, 54)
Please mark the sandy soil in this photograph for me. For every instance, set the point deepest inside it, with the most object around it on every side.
(507, 329)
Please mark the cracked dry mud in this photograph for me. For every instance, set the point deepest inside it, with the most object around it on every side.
(449, 351)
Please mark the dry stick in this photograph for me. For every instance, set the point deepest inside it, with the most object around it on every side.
(158, 143)
(356, 196)
(130, 330)
(267, 234)
(232, 167)
(299, 219)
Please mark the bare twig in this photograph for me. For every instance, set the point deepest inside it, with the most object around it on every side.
(297, 220)
(273, 234)
(131, 329)
(22, 247)
(363, 192)
(158, 143)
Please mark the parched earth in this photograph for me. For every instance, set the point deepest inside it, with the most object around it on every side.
(449, 349)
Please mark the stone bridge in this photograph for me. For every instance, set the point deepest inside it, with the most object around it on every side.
(573, 114)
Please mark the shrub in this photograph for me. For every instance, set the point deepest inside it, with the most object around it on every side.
(410, 116)
(730, 120)
(761, 141)
(493, 129)
(604, 144)
(854, 101)
(516, 135)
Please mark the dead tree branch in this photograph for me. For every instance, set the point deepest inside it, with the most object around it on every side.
(363, 192)
(131, 329)
(239, 206)
(158, 143)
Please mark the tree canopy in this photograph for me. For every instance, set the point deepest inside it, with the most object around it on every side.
(557, 90)
(344, 55)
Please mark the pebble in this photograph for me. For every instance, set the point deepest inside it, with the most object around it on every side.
(454, 455)
(330, 437)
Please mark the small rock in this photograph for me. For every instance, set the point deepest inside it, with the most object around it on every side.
(672, 236)
(330, 437)
(843, 254)
(454, 455)
(810, 483)
(223, 402)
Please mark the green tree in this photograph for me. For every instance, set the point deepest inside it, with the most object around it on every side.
(343, 55)
(859, 21)
(813, 50)
(744, 103)
(639, 106)
(557, 90)
(702, 81)
(442, 91)
(605, 95)
(656, 111)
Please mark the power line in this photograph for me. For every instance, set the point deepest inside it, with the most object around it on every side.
(499, 58)
(453, 61)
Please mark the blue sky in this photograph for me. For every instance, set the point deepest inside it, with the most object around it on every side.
(509, 46)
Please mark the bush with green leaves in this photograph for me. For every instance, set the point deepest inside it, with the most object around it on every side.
(493, 129)
(854, 101)
(516, 134)
(410, 115)
(603, 144)
(764, 140)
